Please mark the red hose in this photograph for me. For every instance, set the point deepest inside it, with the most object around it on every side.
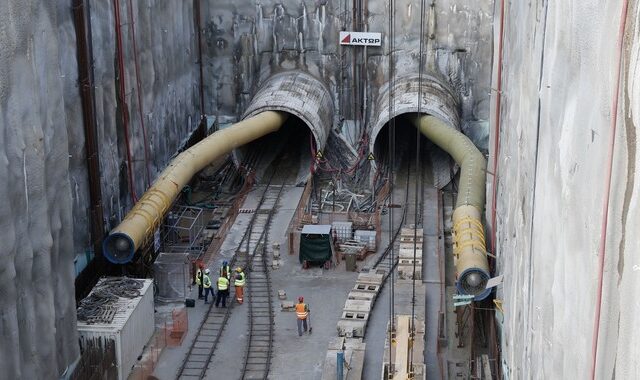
(605, 202)
(125, 107)
(496, 139)
(132, 25)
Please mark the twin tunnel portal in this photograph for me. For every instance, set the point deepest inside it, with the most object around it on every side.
(296, 111)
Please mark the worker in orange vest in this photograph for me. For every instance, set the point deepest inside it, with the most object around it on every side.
(302, 312)
(239, 282)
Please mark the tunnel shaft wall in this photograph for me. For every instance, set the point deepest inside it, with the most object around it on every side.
(38, 324)
(559, 85)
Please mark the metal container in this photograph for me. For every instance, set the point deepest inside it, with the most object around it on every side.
(366, 237)
(171, 274)
(131, 328)
(342, 230)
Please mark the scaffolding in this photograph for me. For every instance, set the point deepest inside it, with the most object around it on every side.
(182, 231)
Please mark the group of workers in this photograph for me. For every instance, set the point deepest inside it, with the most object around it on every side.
(222, 285)
(224, 279)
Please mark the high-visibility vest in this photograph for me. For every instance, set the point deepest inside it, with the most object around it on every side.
(223, 283)
(224, 271)
(199, 277)
(301, 311)
(239, 279)
(207, 281)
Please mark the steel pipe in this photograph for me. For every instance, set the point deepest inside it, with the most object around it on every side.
(469, 246)
(145, 217)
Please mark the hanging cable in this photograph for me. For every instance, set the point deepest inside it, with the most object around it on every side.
(392, 143)
(417, 209)
(145, 143)
(122, 97)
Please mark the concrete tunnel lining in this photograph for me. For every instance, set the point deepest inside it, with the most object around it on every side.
(298, 94)
(437, 99)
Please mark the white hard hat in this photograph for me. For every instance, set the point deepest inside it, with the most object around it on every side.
(206, 271)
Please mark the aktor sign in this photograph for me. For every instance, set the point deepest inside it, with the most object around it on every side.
(360, 38)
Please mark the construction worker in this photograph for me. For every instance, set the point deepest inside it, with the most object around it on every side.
(199, 275)
(225, 271)
(206, 282)
(239, 284)
(223, 291)
(302, 312)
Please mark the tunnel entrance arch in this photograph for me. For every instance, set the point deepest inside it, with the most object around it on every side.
(436, 99)
(310, 106)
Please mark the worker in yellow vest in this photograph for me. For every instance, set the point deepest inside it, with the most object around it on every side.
(302, 312)
(206, 283)
(199, 274)
(239, 284)
(223, 291)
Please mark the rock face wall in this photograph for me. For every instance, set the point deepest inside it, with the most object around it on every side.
(37, 305)
(44, 208)
(560, 60)
(45, 201)
(246, 42)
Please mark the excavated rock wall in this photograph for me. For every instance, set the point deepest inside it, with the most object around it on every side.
(45, 199)
(560, 61)
(247, 42)
(37, 306)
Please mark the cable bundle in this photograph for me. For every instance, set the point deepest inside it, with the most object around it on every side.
(98, 306)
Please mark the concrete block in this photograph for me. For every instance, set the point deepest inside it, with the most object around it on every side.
(336, 343)
(408, 253)
(354, 316)
(365, 296)
(287, 306)
(405, 272)
(366, 288)
(351, 329)
(409, 261)
(370, 278)
(411, 231)
(357, 305)
(409, 245)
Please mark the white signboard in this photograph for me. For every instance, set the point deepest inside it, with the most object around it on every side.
(360, 38)
(494, 281)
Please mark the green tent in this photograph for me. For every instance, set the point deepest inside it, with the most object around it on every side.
(315, 244)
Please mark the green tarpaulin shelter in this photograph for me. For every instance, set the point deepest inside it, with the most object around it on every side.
(315, 244)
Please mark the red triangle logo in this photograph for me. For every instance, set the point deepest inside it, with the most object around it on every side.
(346, 39)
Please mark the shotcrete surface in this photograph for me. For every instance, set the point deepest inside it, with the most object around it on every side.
(559, 65)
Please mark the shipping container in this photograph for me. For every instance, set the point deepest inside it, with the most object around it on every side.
(131, 328)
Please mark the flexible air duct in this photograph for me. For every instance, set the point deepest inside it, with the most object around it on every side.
(145, 217)
(468, 233)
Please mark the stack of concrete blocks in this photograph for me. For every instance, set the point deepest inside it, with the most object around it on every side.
(353, 350)
(410, 244)
(357, 308)
(275, 261)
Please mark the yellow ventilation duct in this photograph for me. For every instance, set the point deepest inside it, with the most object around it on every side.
(469, 246)
(145, 217)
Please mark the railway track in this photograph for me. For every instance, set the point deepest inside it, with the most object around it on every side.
(259, 351)
(388, 259)
(250, 256)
